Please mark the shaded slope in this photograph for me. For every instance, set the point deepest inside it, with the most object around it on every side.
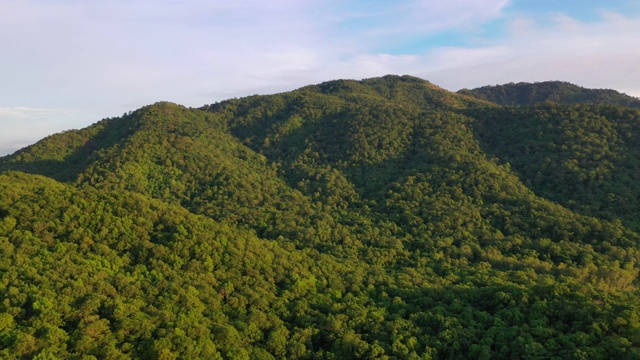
(367, 126)
(422, 175)
(585, 157)
(523, 94)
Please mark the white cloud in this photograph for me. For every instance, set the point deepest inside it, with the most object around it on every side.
(372, 26)
(596, 55)
(63, 53)
(457, 13)
(102, 58)
(24, 113)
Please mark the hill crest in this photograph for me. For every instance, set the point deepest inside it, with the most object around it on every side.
(523, 93)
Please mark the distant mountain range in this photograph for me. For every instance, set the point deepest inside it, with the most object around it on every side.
(552, 91)
(385, 218)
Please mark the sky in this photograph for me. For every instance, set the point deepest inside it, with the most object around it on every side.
(65, 64)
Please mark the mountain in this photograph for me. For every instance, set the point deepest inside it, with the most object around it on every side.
(382, 218)
(522, 94)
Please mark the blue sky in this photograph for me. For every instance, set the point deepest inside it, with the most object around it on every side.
(66, 64)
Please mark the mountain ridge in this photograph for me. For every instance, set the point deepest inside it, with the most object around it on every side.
(524, 93)
(382, 218)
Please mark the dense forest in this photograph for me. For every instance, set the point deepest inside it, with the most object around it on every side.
(552, 91)
(378, 219)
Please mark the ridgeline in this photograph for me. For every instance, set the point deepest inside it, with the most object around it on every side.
(378, 219)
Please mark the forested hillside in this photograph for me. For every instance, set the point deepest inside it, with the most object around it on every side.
(384, 219)
(549, 91)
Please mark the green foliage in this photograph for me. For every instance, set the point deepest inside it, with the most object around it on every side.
(549, 91)
(375, 219)
(584, 157)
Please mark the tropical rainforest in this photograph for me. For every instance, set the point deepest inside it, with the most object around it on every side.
(378, 219)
